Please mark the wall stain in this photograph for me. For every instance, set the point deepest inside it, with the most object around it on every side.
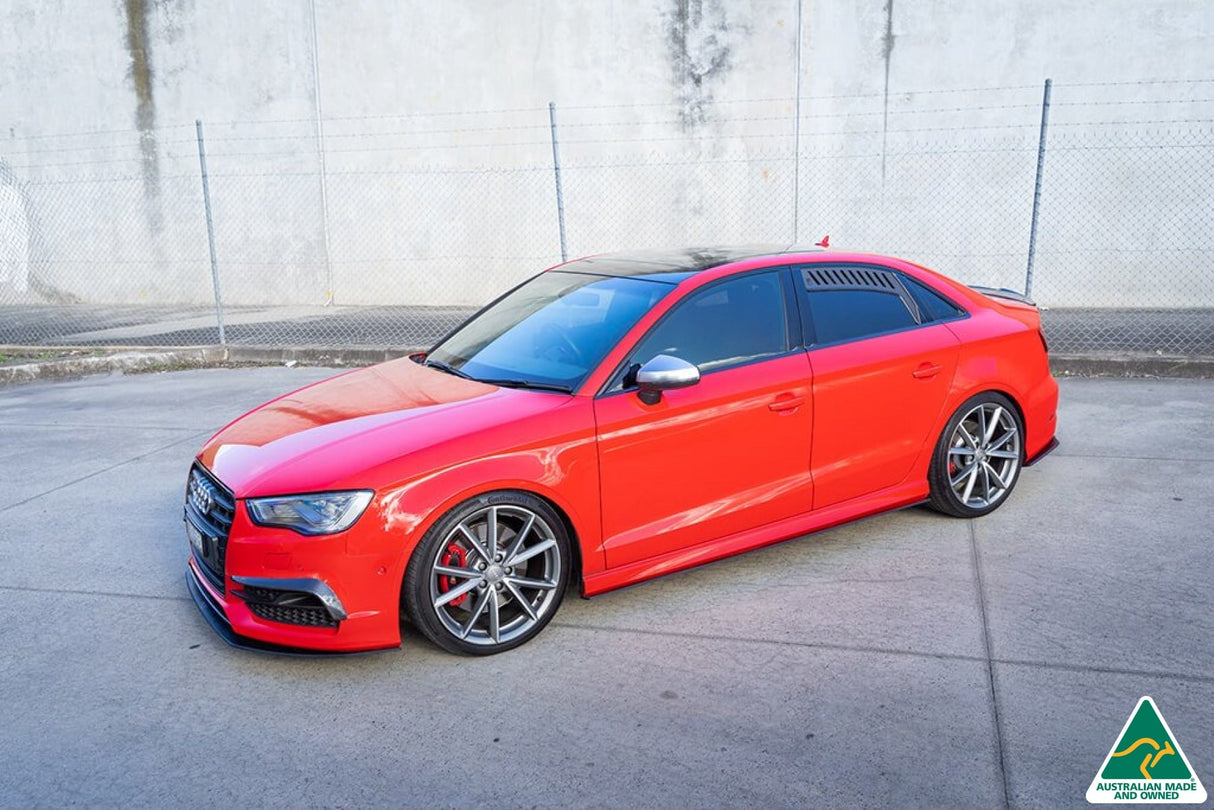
(887, 49)
(23, 252)
(138, 45)
(698, 43)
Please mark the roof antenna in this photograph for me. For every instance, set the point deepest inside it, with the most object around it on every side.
(825, 241)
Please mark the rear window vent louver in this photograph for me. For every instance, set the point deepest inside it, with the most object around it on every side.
(849, 277)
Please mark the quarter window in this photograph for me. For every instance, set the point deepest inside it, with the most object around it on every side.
(839, 315)
(932, 305)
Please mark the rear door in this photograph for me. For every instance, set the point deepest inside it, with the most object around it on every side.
(882, 368)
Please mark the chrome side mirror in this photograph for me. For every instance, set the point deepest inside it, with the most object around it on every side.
(664, 373)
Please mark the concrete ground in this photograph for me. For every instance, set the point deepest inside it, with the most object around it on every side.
(909, 660)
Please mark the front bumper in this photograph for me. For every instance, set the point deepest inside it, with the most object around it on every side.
(213, 613)
(273, 590)
(235, 622)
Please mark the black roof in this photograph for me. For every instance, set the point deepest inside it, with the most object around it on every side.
(671, 266)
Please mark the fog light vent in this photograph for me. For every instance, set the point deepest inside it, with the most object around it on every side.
(287, 607)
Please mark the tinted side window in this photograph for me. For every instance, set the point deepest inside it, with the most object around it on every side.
(839, 315)
(933, 305)
(728, 324)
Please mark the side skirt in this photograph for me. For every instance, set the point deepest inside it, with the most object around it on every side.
(898, 497)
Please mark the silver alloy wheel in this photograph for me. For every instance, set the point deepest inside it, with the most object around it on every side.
(495, 575)
(984, 455)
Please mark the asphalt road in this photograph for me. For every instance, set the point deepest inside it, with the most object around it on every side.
(909, 660)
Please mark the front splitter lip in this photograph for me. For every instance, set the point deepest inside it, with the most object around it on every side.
(223, 628)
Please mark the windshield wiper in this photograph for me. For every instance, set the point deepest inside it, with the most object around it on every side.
(441, 366)
(537, 386)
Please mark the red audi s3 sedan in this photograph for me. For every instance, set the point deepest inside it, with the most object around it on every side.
(613, 419)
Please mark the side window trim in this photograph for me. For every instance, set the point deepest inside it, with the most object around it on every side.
(794, 310)
(915, 310)
(792, 330)
(960, 311)
(809, 334)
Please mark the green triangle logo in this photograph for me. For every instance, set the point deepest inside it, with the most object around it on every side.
(1146, 764)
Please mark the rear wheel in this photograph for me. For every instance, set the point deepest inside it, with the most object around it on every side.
(978, 457)
(489, 575)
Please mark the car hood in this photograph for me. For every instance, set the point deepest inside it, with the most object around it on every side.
(330, 434)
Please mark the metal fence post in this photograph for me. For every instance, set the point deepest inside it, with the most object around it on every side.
(320, 152)
(796, 141)
(556, 168)
(206, 201)
(1045, 120)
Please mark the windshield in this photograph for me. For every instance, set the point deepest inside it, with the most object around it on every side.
(550, 332)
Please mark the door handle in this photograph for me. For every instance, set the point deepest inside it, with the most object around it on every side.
(787, 403)
(925, 371)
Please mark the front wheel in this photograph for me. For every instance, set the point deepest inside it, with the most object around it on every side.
(978, 457)
(489, 575)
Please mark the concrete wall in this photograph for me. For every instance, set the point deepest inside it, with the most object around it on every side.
(919, 137)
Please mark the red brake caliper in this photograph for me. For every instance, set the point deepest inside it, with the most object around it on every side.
(455, 557)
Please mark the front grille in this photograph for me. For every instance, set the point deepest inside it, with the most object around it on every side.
(293, 614)
(288, 607)
(210, 508)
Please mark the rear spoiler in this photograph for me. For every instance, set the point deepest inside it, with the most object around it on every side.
(1003, 292)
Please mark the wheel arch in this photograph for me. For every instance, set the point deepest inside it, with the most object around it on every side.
(954, 402)
(530, 604)
(942, 495)
(971, 391)
(437, 512)
(1012, 398)
(575, 543)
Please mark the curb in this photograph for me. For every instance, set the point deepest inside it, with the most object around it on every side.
(127, 360)
(1075, 365)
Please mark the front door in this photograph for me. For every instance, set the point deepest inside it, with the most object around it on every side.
(727, 454)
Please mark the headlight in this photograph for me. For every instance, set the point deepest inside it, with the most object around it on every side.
(322, 513)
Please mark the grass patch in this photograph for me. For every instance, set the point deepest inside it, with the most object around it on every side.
(12, 357)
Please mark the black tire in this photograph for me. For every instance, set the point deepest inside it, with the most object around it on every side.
(506, 587)
(976, 465)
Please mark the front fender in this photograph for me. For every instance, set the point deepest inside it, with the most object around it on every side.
(562, 471)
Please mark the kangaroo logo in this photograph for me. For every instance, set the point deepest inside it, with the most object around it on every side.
(1152, 758)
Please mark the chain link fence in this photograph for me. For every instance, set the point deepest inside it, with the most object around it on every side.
(388, 231)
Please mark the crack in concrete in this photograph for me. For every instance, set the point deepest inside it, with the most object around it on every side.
(1177, 459)
(874, 650)
(990, 667)
(191, 437)
(81, 592)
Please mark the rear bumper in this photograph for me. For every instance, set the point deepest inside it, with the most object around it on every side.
(1043, 452)
(1040, 411)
